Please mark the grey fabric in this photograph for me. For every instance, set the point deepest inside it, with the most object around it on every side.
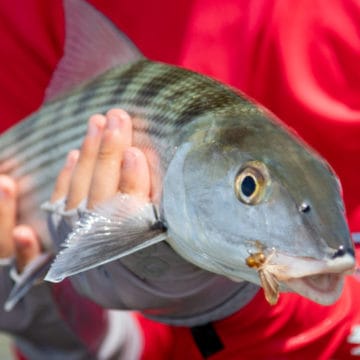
(42, 333)
(36, 324)
(155, 280)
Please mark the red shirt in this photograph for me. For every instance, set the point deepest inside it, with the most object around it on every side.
(300, 59)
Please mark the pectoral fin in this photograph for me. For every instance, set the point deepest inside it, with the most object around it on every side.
(117, 228)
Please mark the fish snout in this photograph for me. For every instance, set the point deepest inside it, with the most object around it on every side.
(318, 280)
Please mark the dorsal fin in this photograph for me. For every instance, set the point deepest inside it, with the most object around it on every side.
(92, 45)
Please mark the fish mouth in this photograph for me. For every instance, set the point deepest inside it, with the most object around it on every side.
(318, 280)
(324, 289)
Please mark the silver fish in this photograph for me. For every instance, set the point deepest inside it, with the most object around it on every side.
(228, 175)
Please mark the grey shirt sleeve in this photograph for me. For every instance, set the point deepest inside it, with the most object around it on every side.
(37, 325)
(55, 322)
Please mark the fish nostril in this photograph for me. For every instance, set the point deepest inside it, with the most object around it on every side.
(341, 251)
(304, 207)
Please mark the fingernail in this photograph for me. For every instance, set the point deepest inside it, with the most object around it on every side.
(72, 158)
(93, 130)
(21, 237)
(129, 158)
(2, 192)
(113, 123)
(5, 187)
(96, 123)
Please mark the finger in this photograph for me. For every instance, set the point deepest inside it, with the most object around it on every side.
(27, 246)
(81, 179)
(135, 175)
(153, 163)
(8, 193)
(117, 137)
(63, 180)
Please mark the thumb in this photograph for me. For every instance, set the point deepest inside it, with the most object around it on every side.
(27, 246)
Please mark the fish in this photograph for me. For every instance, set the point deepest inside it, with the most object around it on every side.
(237, 192)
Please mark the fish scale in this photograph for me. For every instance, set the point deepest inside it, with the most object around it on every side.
(96, 99)
(168, 98)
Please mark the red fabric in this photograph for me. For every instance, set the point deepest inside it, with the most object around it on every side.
(81, 314)
(18, 355)
(158, 339)
(294, 329)
(31, 45)
(298, 58)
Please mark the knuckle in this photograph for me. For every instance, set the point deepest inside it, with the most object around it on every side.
(107, 152)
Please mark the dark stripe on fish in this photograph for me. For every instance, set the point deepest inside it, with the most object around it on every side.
(151, 88)
(123, 80)
(167, 98)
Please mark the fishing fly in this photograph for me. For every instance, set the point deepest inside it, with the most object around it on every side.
(269, 282)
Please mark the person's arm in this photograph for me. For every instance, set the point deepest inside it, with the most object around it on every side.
(54, 321)
(33, 317)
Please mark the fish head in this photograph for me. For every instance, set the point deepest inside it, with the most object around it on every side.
(244, 187)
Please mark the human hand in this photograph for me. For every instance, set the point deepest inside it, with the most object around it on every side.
(109, 189)
(107, 163)
(30, 320)
(16, 241)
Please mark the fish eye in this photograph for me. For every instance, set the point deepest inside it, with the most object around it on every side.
(251, 182)
(248, 185)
